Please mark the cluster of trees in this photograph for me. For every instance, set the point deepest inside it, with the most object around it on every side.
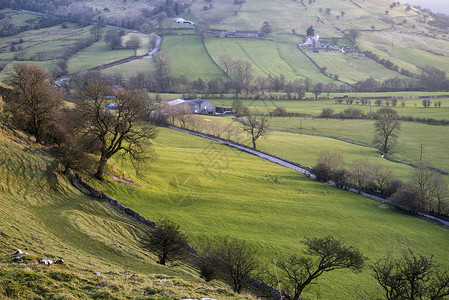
(430, 79)
(388, 64)
(236, 262)
(357, 113)
(36, 106)
(361, 175)
(428, 191)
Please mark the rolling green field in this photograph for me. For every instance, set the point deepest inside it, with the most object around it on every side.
(216, 191)
(189, 58)
(45, 216)
(133, 67)
(288, 141)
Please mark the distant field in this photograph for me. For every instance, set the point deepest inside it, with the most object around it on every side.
(351, 68)
(302, 140)
(96, 55)
(18, 18)
(411, 136)
(215, 191)
(267, 57)
(144, 65)
(412, 107)
(189, 57)
(44, 44)
(47, 65)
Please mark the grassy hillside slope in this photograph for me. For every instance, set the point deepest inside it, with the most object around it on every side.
(189, 57)
(43, 215)
(216, 191)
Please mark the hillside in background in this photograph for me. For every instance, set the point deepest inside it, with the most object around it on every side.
(395, 40)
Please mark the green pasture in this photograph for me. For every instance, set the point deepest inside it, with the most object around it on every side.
(43, 44)
(411, 136)
(268, 57)
(18, 18)
(189, 57)
(130, 69)
(301, 140)
(350, 67)
(96, 55)
(215, 191)
(408, 49)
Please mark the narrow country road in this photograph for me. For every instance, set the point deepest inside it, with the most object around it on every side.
(298, 168)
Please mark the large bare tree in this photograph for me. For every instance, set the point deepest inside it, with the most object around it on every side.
(386, 129)
(256, 126)
(411, 277)
(34, 100)
(297, 272)
(239, 260)
(120, 130)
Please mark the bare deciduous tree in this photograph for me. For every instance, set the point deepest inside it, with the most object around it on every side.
(34, 100)
(361, 175)
(386, 129)
(166, 241)
(432, 186)
(111, 131)
(298, 272)
(256, 126)
(225, 62)
(239, 260)
(134, 42)
(411, 277)
(242, 71)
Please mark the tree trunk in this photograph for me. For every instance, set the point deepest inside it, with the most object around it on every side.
(254, 143)
(100, 168)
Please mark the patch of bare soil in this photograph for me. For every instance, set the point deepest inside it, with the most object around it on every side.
(125, 181)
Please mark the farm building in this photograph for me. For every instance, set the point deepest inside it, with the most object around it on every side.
(201, 106)
(196, 106)
(241, 34)
(182, 21)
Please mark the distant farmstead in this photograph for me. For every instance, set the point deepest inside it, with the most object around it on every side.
(251, 34)
(182, 21)
(195, 106)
